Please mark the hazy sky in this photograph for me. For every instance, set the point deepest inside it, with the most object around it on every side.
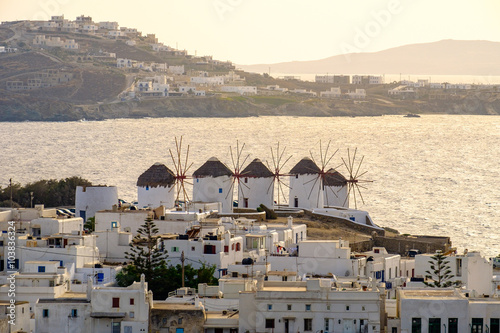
(267, 31)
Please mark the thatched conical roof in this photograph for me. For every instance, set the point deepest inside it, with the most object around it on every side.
(157, 175)
(257, 169)
(334, 178)
(304, 167)
(212, 168)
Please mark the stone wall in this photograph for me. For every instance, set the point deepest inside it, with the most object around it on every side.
(343, 223)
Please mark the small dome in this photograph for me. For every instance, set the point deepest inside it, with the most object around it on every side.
(306, 166)
(212, 168)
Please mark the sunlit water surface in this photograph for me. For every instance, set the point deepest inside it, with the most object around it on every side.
(435, 175)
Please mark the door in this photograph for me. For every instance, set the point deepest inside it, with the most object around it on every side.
(296, 202)
(434, 325)
(83, 215)
(245, 201)
(477, 325)
(348, 326)
(287, 326)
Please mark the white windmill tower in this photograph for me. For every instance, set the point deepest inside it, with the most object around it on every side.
(155, 187)
(212, 183)
(254, 184)
(306, 188)
(335, 188)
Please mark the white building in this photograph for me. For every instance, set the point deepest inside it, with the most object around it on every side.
(101, 309)
(131, 42)
(90, 199)
(69, 44)
(207, 80)
(335, 189)
(20, 310)
(304, 92)
(112, 244)
(177, 70)
(116, 34)
(213, 183)
(357, 94)
(257, 186)
(108, 25)
(472, 269)
(242, 90)
(124, 63)
(220, 250)
(89, 28)
(334, 92)
(310, 306)
(306, 188)
(156, 187)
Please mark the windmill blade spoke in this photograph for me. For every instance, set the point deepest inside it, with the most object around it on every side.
(288, 159)
(355, 201)
(363, 187)
(359, 166)
(271, 184)
(283, 183)
(361, 175)
(280, 188)
(231, 189)
(274, 160)
(248, 187)
(331, 190)
(310, 181)
(328, 161)
(354, 158)
(312, 188)
(312, 157)
(244, 161)
(361, 196)
(232, 158)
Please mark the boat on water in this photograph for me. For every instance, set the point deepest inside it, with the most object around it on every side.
(412, 115)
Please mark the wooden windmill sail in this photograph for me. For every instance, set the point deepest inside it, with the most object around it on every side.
(277, 184)
(238, 161)
(181, 169)
(355, 180)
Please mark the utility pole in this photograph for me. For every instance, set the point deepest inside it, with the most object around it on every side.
(182, 261)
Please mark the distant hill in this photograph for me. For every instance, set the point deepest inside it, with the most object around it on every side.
(446, 57)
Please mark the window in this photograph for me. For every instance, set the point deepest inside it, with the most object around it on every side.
(269, 306)
(390, 272)
(238, 246)
(453, 325)
(51, 283)
(308, 307)
(226, 248)
(74, 313)
(363, 308)
(116, 302)
(308, 324)
(220, 190)
(45, 313)
(193, 248)
(494, 325)
(289, 307)
(115, 327)
(270, 323)
(41, 269)
(347, 307)
(459, 267)
(328, 307)
(132, 301)
(477, 325)
(175, 249)
(434, 325)
(114, 224)
(416, 325)
(327, 325)
(179, 321)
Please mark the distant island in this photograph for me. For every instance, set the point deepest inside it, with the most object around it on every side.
(67, 70)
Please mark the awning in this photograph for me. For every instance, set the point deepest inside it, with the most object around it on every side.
(108, 314)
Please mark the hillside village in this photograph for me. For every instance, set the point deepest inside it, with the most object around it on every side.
(272, 276)
(65, 69)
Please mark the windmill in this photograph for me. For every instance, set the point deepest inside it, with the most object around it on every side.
(181, 166)
(355, 180)
(325, 174)
(238, 161)
(279, 162)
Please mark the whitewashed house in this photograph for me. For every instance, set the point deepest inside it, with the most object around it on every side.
(312, 306)
(156, 187)
(100, 309)
(112, 244)
(90, 199)
(334, 92)
(357, 94)
(220, 250)
(306, 188)
(256, 186)
(335, 189)
(473, 270)
(108, 25)
(213, 183)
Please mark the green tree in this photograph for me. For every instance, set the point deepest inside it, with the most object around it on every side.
(144, 252)
(90, 224)
(439, 275)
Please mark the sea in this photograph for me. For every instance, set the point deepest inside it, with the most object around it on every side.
(433, 175)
